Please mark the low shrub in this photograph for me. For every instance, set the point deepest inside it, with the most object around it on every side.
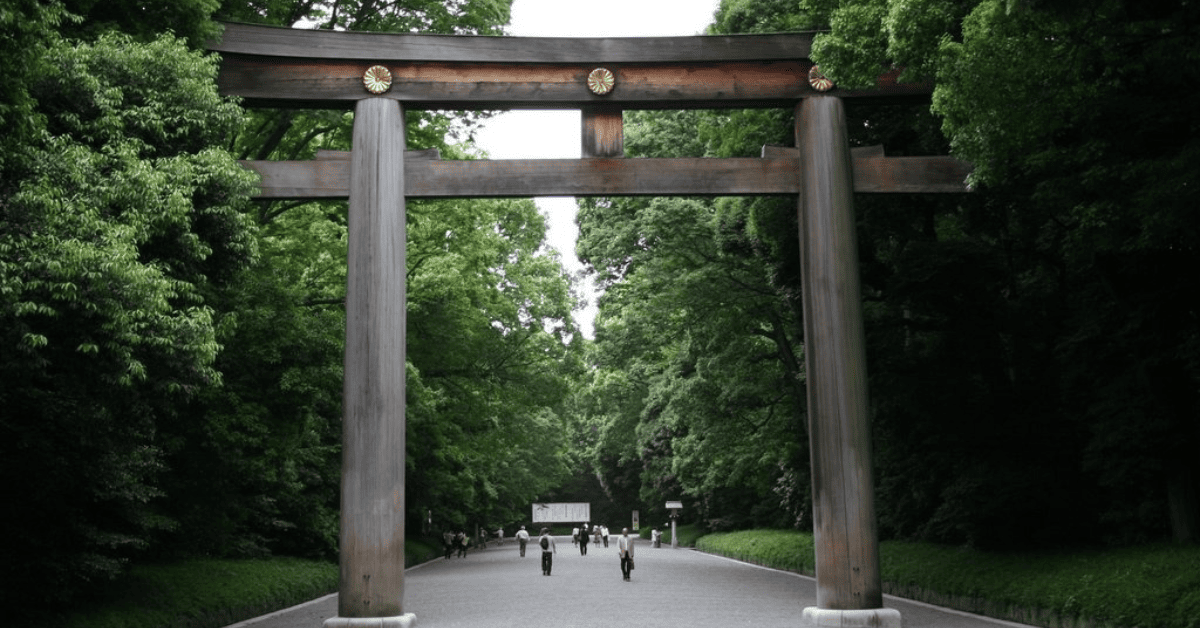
(1156, 585)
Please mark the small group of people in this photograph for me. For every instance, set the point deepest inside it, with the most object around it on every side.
(625, 547)
(580, 536)
(455, 541)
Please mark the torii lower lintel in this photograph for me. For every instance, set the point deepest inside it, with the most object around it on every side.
(328, 176)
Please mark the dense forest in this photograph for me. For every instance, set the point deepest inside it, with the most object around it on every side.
(1033, 360)
(171, 349)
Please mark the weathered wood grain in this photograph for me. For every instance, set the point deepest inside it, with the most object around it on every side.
(603, 133)
(371, 546)
(271, 66)
(779, 174)
(322, 44)
(844, 529)
(876, 173)
(323, 83)
(522, 178)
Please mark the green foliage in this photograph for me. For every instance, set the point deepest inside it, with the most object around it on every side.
(173, 354)
(462, 17)
(204, 593)
(115, 219)
(780, 549)
(26, 28)
(491, 347)
(697, 385)
(1039, 314)
(1135, 586)
(189, 20)
(759, 16)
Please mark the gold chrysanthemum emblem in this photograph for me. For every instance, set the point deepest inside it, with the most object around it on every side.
(601, 81)
(377, 79)
(818, 80)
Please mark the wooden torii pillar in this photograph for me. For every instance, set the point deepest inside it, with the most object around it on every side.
(381, 74)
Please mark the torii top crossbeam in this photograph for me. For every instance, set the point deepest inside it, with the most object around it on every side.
(271, 66)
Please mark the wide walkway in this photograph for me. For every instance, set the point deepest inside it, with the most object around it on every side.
(496, 588)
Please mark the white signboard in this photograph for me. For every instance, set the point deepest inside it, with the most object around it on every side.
(678, 505)
(562, 512)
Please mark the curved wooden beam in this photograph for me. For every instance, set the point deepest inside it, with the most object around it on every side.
(276, 41)
(283, 67)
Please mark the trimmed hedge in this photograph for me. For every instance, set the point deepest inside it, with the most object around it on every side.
(211, 593)
(1155, 586)
(206, 593)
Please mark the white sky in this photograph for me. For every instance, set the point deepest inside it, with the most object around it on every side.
(528, 134)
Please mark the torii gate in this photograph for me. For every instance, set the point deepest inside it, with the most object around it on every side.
(382, 74)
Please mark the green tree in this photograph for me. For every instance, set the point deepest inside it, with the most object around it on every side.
(699, 306)
(1078, 120)
(116, 216)
(492, 348)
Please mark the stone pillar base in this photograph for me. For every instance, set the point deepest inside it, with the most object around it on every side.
(866, 618)
(407, 620)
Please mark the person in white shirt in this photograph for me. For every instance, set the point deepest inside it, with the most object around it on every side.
(548, 551)
(625, 549)
(522, 539)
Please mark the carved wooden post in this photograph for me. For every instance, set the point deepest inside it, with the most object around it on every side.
(849, 590)
(371, 590)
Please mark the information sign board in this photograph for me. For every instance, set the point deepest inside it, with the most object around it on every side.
(562, 512)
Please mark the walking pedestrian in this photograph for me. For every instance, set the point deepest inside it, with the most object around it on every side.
(448, 543)
(625, 549)
(522, 539)
(583, 540)
(461, 540)
(604, 534)
(549, 549)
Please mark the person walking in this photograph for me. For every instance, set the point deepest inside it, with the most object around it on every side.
(522, 539)
(583, 540)
(604, 534)
(461, 540)
(548, 551)
(625, 549)
(448, 543)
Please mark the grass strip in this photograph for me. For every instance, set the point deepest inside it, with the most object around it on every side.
(212, 593)
(1139, 587)
(206, 593)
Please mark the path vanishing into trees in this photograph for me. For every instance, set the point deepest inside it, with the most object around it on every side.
(496, 588)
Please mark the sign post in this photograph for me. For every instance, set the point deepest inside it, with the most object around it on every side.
(675, 508)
